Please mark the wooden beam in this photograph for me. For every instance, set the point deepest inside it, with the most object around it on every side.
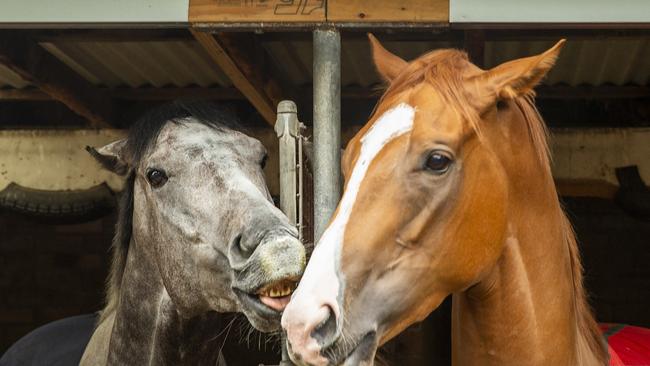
(175, 93)
(414, 11)
(592, 92)
(571, 34)
(244, 74)
(284, 11)
(110, 35)
(24, 94)
(562, 92)
(135, 94)
(586, 188)
(31, 62)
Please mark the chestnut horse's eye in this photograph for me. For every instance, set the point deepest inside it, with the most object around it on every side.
(157, 178)
(437, 162)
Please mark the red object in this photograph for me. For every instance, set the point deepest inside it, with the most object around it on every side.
(627, 345)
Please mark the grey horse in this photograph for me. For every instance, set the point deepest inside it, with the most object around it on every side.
(197, 235)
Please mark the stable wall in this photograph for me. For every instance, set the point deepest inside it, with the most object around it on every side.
(57, 159)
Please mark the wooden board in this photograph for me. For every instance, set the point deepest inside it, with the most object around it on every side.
(419, 11)
(216, 11)
(586, 188)
(245, 82)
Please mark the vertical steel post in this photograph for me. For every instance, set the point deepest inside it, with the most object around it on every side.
(327, 126)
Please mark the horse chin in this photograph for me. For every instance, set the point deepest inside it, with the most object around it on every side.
(346, 353)
(261, 316)
(263, 306)
(364, 352)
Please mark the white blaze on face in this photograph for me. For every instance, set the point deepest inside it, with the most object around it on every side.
(320, 285)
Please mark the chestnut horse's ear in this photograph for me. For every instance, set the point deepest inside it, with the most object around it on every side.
(518, 77)
(388, 64)
(111, 156)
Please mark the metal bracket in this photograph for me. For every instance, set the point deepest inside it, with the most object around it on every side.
(288, 130)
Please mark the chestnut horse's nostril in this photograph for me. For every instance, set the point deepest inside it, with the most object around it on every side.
(326, 332)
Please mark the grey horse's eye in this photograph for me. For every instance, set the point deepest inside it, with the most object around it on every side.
(157, 178)
(263, 161)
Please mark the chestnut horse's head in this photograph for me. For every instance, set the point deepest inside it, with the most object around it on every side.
(423, 214)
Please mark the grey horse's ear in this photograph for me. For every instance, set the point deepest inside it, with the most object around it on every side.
(111, 156)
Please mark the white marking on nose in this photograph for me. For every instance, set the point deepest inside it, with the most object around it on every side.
(320, 285)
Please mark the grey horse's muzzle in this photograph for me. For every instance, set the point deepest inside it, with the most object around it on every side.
(268, 278)
(280, 257)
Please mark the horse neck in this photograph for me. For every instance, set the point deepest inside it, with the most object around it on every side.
(522, 312)
(148, 329)
(526, 310)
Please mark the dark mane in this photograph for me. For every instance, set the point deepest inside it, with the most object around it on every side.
(141, 136)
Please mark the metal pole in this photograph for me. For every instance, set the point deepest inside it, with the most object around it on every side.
(327, 126)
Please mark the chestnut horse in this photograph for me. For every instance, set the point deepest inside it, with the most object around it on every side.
(448, 190)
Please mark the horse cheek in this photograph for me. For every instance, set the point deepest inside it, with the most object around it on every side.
(480, 220)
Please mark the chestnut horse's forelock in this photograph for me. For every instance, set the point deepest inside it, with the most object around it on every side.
(443, 70)
(446, 70)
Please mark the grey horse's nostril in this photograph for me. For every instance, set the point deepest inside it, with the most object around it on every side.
(238, 250)
(326, 332)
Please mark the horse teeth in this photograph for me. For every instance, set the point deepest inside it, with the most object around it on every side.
(279, 290)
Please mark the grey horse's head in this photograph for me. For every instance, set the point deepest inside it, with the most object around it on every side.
(202, 211)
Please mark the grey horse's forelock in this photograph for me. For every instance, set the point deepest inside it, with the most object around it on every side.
(142, 134)
(146, 129)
